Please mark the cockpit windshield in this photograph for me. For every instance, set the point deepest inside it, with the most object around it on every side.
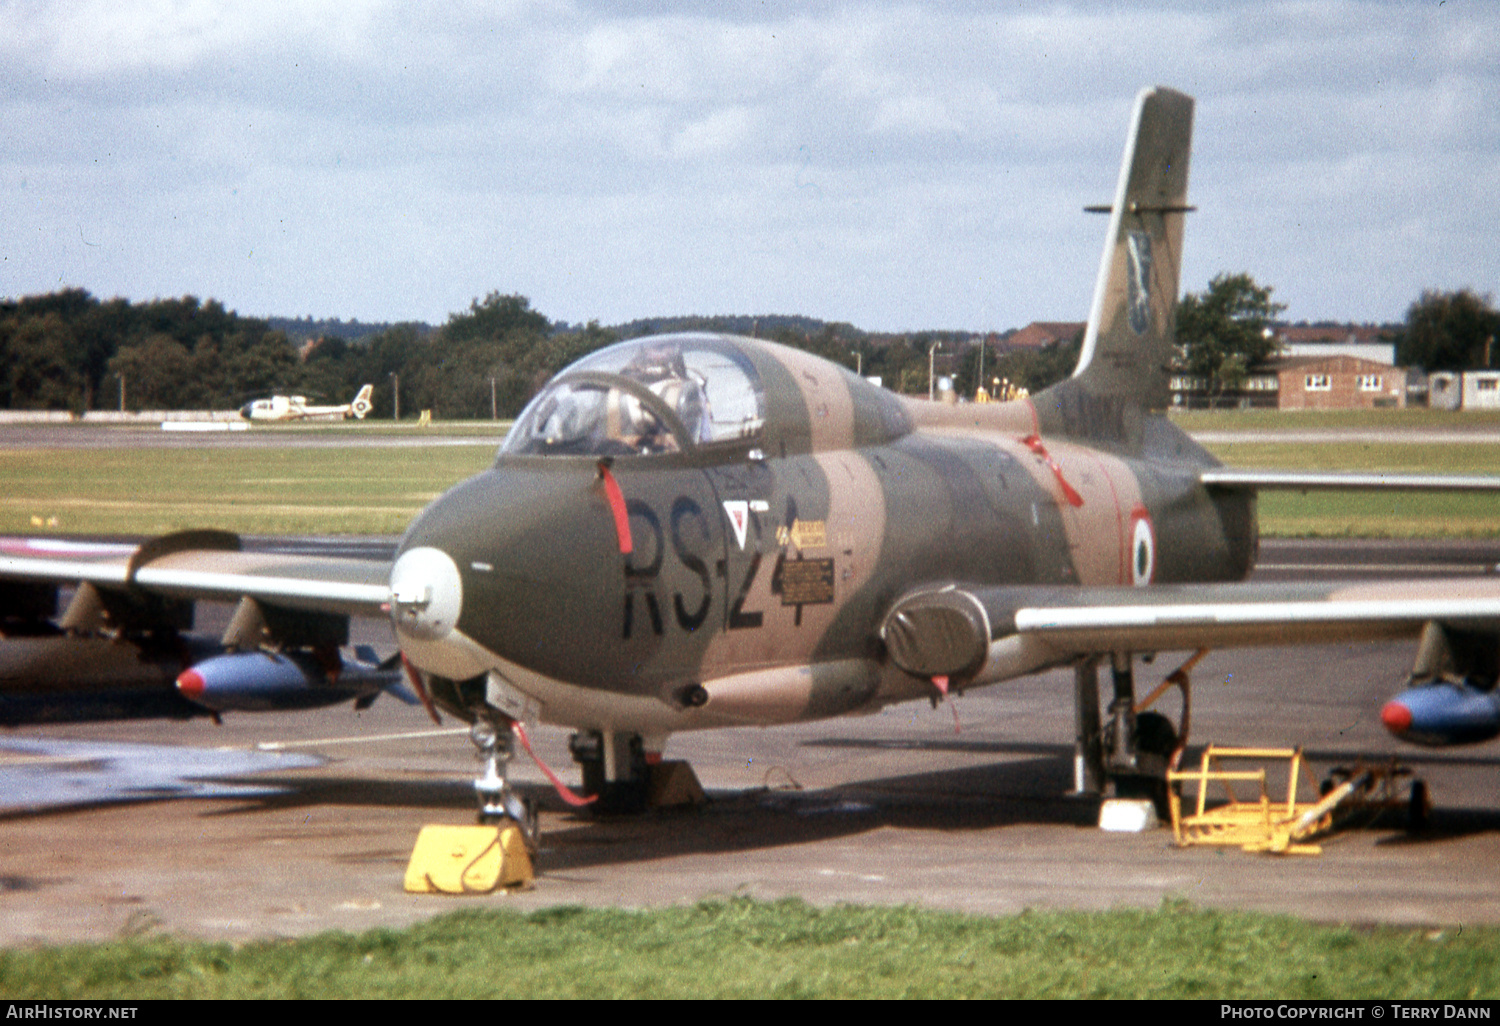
(644, 397)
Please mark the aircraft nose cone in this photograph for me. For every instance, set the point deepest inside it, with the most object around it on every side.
(426, 594)
(1396, 717)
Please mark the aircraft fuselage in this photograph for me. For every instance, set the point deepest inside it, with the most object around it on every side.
(757, 576)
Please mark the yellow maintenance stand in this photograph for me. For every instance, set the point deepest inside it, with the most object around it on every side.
(1277, 826)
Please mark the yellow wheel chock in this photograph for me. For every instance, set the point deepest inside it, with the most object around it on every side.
(469, 860)
(1261, 824)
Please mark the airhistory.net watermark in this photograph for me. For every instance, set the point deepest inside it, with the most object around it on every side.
(53, 1010)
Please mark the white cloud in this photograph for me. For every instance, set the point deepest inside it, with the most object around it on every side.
(721, 132)
(894, 165)
(104, 37)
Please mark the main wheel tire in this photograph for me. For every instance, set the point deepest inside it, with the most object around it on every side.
(1154, 733)
(1418, 807)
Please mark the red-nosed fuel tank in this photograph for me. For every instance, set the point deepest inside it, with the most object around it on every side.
(1443, 713)
(269, 681)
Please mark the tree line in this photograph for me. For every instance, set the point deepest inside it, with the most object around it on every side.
(70, 351)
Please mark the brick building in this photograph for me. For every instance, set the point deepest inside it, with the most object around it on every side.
(1338, 382)
(1038, 334)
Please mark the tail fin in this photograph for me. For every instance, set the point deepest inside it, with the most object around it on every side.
(1128, 345)
(361, 405)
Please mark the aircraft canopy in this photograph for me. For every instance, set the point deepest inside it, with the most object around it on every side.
(647, 396)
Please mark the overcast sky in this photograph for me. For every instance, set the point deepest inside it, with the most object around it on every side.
(896, 166)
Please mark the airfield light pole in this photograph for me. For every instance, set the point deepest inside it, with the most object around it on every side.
(395, 396)
(859, 362)
(931, 359)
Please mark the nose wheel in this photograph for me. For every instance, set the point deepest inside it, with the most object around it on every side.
(498, 801)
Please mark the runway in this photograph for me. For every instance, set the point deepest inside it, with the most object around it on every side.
(334, 436)
(900, 807)
(408, 434)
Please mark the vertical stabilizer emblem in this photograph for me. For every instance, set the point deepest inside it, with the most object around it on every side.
(1138, 247)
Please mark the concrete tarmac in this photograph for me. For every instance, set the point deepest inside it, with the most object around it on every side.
(912, 805)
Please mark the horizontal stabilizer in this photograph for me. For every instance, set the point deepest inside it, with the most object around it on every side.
(1322, 480)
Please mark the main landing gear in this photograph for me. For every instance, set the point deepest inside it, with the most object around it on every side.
(625, 773)
(620, 775)
(616, 770)
(1130, 752)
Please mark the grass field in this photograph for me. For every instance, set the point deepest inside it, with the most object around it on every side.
(1353, 514)
(355, 490)
(787, 949)
(377, 490)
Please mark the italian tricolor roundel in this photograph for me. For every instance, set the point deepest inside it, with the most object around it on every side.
(1142, 546)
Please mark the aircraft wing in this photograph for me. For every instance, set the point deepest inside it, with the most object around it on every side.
(993, 633)
(203, 565)
(1314, 480)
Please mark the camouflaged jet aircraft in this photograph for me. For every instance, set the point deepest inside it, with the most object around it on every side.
(695, 531)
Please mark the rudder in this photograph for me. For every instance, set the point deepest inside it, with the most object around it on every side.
(361, 405)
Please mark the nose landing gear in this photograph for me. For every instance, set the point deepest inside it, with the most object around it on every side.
(497, 801)
(497, 853)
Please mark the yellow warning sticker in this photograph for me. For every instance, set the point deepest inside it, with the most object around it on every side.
(804, 534)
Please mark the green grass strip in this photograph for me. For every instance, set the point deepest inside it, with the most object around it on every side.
(788, 949)
(355, 490)
(377, 490)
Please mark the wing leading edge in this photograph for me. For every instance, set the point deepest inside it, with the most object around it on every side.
(992, 634)
(207, 566)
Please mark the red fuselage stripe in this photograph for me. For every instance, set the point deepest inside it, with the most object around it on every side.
(617, 507)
